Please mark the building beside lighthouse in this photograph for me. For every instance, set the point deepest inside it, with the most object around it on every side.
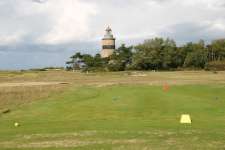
(108, 44)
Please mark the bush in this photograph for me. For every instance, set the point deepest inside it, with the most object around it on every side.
(38, 69)
(215, 66)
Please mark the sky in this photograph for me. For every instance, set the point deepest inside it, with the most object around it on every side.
(43, 33)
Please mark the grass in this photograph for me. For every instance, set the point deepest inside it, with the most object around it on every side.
(12, 97)
(121, 116)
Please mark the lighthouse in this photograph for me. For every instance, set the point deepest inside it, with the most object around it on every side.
(108, 43)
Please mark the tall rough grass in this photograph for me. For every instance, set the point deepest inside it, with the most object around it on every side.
(11, 97)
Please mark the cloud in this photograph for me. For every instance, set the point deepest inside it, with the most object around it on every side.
(194, 31)
(65, 21)
(56, 26)
(69, 21)
(11, 39)
(212, 4)
(40, 1)
(49, 22)
(41, 55)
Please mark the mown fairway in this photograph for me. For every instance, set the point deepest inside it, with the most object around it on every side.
(119, 112)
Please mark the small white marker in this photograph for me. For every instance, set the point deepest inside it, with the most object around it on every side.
(185, 119)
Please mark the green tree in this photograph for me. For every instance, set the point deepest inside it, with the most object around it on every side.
(121, 58)
(169, 54)
(155, 54)
(217, 50)
(75, 62)
(196, 55)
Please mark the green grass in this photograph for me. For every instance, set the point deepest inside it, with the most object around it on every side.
(120, 117)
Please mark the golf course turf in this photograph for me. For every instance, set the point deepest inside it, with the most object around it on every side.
(122, 116)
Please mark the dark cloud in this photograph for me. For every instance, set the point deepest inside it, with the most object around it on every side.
(23, 60)
(87, 47)
(187, 32)
(27, 56)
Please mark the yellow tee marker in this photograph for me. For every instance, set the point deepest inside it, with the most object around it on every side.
(185, 119)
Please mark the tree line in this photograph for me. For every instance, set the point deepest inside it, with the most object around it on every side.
(155, 54)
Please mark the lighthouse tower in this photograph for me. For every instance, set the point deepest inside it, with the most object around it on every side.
(108, 43)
